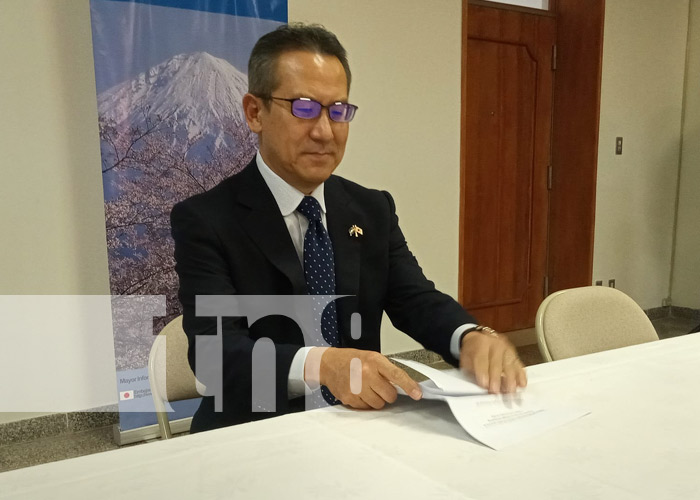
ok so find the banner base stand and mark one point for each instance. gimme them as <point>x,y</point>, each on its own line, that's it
<point>148,433</point>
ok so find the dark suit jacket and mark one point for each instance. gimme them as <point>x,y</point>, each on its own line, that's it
<point>232,239</point>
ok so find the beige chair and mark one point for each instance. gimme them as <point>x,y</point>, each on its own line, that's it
<point>168,362</point>
<point>589,319</point>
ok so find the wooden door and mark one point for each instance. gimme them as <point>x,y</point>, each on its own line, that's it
<point>507,134</point>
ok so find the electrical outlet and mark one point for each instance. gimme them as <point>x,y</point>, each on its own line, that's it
<point>618,145</point>
<point>611,283</point>
<point>599,283</point>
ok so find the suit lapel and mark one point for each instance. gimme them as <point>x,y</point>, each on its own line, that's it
<point>341,214</point>
<point>264,224</point>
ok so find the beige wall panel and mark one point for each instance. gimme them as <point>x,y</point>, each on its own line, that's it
<point>51,194</point>
<point>642,97</point>
<point>686,275</point>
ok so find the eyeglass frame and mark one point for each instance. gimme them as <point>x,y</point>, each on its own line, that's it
<point>291,100</point>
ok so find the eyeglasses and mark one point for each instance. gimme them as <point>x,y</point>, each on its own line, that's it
<point>307,109</point>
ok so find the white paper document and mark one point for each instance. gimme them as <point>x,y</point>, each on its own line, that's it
<point>496,420</point>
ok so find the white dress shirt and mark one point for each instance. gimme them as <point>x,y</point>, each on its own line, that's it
<point>288,199</point>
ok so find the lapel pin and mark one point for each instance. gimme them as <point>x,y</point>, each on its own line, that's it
<point>355,231</point>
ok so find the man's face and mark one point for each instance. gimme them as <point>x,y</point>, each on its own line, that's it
<point>304,152</point>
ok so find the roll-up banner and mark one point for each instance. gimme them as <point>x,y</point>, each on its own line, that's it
<point>170,77</point>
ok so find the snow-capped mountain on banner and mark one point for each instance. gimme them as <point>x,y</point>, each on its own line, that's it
<point>196,94</point>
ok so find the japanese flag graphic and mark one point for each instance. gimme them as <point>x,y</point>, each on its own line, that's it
<point>126,395</point>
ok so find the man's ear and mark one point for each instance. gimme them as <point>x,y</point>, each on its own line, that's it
<point>252,107</point>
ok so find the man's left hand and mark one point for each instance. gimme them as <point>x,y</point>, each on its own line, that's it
<point>493,360</point>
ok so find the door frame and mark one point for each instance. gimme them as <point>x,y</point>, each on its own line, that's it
<point>575,129</point>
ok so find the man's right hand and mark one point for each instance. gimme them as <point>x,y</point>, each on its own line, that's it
<point>365,387</point>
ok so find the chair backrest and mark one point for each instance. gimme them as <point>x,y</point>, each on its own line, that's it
<point>170,375</point>
<point>589,319</point>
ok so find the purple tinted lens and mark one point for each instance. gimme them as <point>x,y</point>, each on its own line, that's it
<point>303,108</point>
<point>341,112</point>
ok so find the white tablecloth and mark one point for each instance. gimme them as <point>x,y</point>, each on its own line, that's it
<point>642,440</point>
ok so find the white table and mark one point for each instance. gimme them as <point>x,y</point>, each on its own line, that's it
<point>642,440</point>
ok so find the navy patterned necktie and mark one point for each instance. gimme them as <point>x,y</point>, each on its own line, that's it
<point>319,271</point>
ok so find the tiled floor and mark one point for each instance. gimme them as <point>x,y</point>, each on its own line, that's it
<point>674,326</point>
<point>49,449</point>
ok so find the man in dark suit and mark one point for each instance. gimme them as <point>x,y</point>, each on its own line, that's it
<point>285,221</point>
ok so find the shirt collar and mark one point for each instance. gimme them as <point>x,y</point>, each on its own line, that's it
<point>287,197</point>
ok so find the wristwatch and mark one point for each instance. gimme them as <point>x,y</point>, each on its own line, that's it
<point>486,331</point>
<point>480,328</point>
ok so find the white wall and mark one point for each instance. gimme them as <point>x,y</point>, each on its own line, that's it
<point>52,224</point>
<point>642,97</point>
<point>686,275</point>
<point>61,356</point>
<point>51,194</point>
<point>405,58</point>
